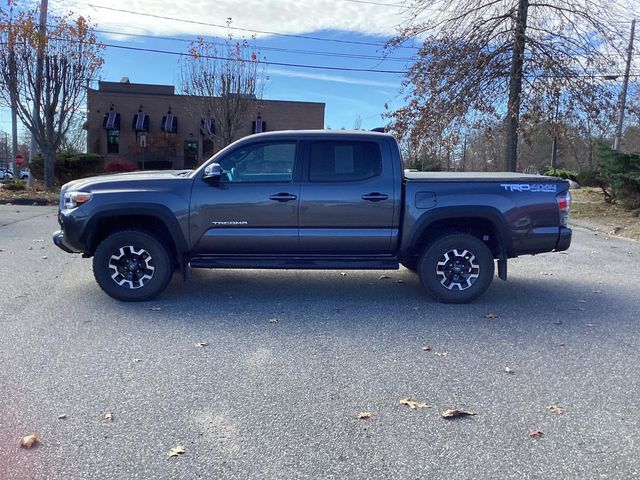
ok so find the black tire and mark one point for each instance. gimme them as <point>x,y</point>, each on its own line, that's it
<point>132,266</point>
<point>456,268</point>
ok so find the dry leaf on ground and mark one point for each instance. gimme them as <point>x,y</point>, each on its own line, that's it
<point>108,416</point>
<point>425,348</point>
<point>533,432</point>
<point>454,412</point>
<point>491,316</point>
<point>29,440</point>
<point>556,408</point>
<point>508,370</point>
<point>414,403</point>
<point>365,415</point>
<point>202,344</point>
<point>175,451</point>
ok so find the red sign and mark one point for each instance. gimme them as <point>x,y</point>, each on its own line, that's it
<point>19,160</point>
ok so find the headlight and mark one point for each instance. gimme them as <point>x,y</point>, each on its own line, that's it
<point>74,199</point>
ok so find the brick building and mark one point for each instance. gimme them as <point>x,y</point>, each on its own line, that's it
<point>151,124</point>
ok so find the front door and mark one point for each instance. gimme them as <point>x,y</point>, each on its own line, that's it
<point>254,207</point>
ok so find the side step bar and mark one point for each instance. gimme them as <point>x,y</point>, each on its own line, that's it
<point>299,262</point>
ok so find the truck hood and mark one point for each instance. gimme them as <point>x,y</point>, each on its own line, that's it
<point>124,180</point>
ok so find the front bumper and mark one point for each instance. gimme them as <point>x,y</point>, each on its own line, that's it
<point>58,239</point>
<point>564,239</point>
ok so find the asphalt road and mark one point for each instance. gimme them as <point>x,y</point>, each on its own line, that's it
<point>280,400</point>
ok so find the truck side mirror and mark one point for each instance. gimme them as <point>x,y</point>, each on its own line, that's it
<point>212,173</point>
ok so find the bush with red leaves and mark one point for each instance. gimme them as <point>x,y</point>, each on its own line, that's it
<point>118,165</point>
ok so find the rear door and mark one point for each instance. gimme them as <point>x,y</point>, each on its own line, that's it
<point>348,197</point>
<point>254,207</point>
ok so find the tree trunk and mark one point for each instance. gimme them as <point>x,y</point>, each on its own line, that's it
<point>515,87</point>
<point>49,178</point>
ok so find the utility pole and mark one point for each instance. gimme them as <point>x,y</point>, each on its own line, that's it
<point>554,145</point>
<point>42,29</point>
<point>515,87</point>
<point>622,100</point>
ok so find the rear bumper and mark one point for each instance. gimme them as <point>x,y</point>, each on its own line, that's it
<point>564,239</point>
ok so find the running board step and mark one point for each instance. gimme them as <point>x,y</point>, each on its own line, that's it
<point>312,263</point>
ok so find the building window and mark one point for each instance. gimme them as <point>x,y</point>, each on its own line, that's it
<point>191,153</point>
<point>339,161</point>
<point>258,125</point>
<point>113,141</point>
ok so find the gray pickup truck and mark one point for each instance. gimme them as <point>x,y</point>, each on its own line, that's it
<point>311,200</point>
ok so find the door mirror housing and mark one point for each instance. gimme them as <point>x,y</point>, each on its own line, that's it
<point>212,173</point>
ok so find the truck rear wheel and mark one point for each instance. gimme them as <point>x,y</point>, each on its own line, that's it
<point>132,266</point>
<point>456,268</point>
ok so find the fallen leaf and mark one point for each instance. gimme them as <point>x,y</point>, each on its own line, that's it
<point>415,404</point>
<point>62,417</point>
<point>491,316</point>
<point>508,370</point>
<point>425,348</point>
<point>442,354</point>
<point>556,408</point>
<point>364,415</point>
<point>273,320</point>
<point>454,412</point>
<point>383,277</point>
<point>29,440</point>
<point>202,344</point>
<point>155,309</point>
<point>532,432</point>
<point>175,451</point>
<point>108,416</point>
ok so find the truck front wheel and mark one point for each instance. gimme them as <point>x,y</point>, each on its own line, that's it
<point>132,266</point>
<point>456,268</point>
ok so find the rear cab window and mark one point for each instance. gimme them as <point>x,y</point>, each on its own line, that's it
<point>344,161</point>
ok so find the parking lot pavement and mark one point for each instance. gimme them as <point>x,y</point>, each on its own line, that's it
<point>279,399</point>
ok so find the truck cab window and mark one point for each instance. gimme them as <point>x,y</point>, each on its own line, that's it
<point>266,162</point>
<point>343,161</point>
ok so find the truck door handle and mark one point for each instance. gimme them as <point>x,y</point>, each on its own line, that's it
<point>375,197</point>
<point>283,197</point>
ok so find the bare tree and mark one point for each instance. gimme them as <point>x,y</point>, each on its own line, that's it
<point>224,82</point>
<point>71,56</point>
<point>488,60</point>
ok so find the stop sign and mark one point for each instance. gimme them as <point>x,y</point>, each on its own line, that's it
<point>19,160</point>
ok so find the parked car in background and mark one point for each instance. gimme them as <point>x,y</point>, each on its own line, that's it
<point>7,174</point>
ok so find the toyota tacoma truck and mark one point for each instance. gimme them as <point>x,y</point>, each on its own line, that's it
<point>311,200</point>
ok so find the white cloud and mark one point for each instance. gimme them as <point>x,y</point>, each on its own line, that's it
<point>331,78</point>
<point>284,16</point>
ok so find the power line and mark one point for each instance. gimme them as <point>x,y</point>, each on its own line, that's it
<point>266,32</point>
<point>344,69</point>
<point>264,62</point>
<point>261,48</point>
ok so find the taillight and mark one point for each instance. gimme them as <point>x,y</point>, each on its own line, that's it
<point>564,206</point>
